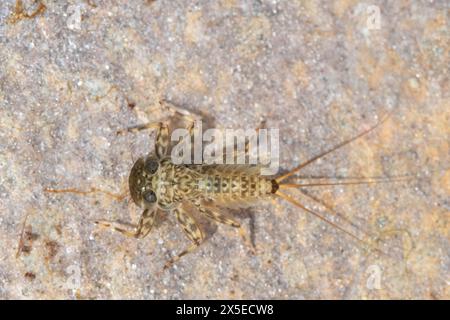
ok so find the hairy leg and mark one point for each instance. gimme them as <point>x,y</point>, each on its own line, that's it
<point>221,218</point>
<point>162,128</point>
<point>143,227</point>
<point>183,114</point>
<point>237,153</point>
<point>192,231</point>
<point>162,135</point>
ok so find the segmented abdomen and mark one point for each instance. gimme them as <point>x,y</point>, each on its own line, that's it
<point>234,185</point>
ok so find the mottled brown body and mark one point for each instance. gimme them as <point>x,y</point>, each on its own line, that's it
<point>233,183</point>
<point>222,184</point>
<point>156,184</point>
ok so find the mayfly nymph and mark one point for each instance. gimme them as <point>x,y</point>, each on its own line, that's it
<point>157,184</point>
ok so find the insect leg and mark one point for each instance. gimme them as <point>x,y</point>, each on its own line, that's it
<point>193,232</point>
<point>140,231</point>
<point>221,218</point>
<point>162,135</point>
<point>162,140</point>
<point>185,115</point>
<point>245,150</point>
<point>216,216</point>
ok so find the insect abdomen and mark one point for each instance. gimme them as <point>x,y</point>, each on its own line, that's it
<point>235,185</point>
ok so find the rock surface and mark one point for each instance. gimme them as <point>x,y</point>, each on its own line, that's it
<point>321,71</point>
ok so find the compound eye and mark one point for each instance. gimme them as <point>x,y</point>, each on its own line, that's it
<point>151,166</point>
<point>150,196</point>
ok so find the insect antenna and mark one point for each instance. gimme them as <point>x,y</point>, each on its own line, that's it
<point>118,196</point>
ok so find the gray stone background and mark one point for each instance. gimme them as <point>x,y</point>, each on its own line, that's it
<point>320,71</point>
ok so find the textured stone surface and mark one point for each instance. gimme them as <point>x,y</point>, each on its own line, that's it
<point>320,71</point>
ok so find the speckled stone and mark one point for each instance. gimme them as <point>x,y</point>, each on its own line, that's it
<point>320,71</point>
